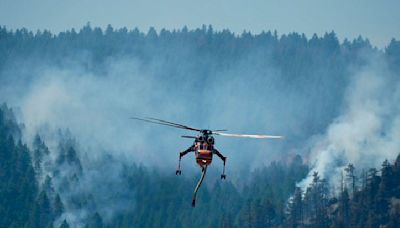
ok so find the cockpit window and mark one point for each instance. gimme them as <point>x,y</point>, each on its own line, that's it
<point>204,146</point>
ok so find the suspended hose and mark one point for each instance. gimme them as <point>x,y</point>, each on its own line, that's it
<point>203,174</point>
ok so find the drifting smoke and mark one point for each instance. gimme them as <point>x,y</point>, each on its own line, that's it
<point>368,130</point>
<point>95,109</point>
<point>248,91</point>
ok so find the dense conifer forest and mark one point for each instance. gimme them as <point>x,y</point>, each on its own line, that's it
<point>43,180</point>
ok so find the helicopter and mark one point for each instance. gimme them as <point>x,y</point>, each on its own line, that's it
<point>203,147</point>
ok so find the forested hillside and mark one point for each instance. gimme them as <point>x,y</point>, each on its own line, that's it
<point>158,199</point>
<point>69,158</point>
<point>372,201</point>
<point>163,199</point>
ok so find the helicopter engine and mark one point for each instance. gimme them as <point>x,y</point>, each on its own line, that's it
<point>210,140</point>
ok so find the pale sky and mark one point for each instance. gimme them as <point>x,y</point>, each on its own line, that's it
<point>377,20</point>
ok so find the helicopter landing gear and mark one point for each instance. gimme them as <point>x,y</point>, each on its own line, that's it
<point>223,158</point>
<point>181,154</point>
<point>179,171</point>
<point>223,176</point>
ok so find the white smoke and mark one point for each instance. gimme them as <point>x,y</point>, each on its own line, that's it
<point>96,109</point>
<point>368,130</point>
<point>247,96</point>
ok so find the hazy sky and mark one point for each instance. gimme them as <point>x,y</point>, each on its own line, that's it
<point>378,20</point>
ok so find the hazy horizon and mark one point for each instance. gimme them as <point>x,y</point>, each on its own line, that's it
<point>377,21</point>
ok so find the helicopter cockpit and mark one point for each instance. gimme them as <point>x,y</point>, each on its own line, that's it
<point>202,146</point>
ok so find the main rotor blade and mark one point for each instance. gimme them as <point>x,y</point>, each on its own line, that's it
<point>249,136</point>
<point>165,123</point>
<point>189,137</point>
<point>218,130</point>
<point>176,124</point>
<point>150,121</point>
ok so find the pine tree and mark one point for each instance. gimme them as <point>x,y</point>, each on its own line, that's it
<point>396,176</point>
<point>269,213</point>
<point>245,217</point>
<point>47,186</point>
<point>18,186</point>
<point>295,209</point>
<point>343,216</point>
<point>41,215</point>
<point>95,221</point>
<point>58,206</point>
<point>372,186</point>
<point>40,151</point>
<point>386,185</point>
<point>350,178</point>
<point>64,224</point>
<point>385,192</point>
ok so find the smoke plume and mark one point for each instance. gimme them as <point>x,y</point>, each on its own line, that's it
<point>368,129</point>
